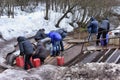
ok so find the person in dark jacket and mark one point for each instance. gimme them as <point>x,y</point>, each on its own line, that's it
<point>63,34</point>
<point>26,49</point>
<point>92,27</point>
<point>40,35</point>
<point>41,52</point>
<point>102,31</point>
<point>55,40</point>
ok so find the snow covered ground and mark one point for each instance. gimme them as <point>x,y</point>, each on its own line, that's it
<point>25,24</point>
<point>90,71</point>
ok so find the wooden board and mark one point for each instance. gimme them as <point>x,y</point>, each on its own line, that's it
<point>49,58</point>
<point>76,41</point>
<point>89,48</point>
<point>100,47</point>
<point>67,38</point>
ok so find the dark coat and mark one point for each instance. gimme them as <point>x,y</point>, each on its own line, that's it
<point>40,35</point>
<point>93,26</point>
<point>105,24</point>
<point>41,51</point>
<point>62,32</point>
<point>25,46</point>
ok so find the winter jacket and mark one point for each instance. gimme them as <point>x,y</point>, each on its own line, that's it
<point>40,35</point>
<point>93,26</point>
<point>105,25</point>
<point>25,46</point>
<point>41,51</point>
<point>55,36</point>
<point>62,32</point>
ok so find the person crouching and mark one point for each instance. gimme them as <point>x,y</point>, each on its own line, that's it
<point>41,52</point>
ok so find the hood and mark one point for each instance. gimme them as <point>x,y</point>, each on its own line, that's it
<point>92,19</point>
<point>21,38</point>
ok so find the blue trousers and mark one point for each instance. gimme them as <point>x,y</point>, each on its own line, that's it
<point>55,48</point>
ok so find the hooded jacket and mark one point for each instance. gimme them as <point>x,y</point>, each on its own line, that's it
<point>105,25</point>
<point>62,32</point>
<point>41,51</point>
<point>25,46</point>
<point>40,35</point>
<point>55,36</point>
<point>93,26</point>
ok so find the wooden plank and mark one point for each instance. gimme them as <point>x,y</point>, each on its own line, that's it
<point>100,47</point>
<point>89,58</point>
<point>68,46</point>
<point>77,41</point>
<point>68,38</point>
<point>90,48</point>
<point>113,57</point>
<point>49,58</point>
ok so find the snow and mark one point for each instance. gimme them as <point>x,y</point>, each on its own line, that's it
<point>116,9</point>
<point>28,24</point>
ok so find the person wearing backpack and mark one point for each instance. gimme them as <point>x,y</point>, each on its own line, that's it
<point>103,31</point>
<point>55,40</point>
<point>63,34</point>
<point>27,50</point>
<point>92,27</point>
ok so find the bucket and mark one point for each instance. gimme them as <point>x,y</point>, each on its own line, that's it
<point>20,61</point>
<point>60,60</point>
<point>36,62</point>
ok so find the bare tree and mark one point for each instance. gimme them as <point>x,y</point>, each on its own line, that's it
<point>47,8</point>
<point>69,10</point>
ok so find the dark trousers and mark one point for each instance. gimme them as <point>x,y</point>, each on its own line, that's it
<point>103,33</point>
<point>27,61</point>
<point>61,46</point>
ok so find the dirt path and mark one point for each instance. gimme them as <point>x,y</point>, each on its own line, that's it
<point>3,44</point>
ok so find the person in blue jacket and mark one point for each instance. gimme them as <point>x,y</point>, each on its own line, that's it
<point>26,49</point>
<point>92,27</point>
<point>102,31</point>
<point>55,40</point>
<point>63,34</point>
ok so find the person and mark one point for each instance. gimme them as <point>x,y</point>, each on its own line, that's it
<point>92,27</point>
<point>55,40</point>
<point>41,52</point>
<point>103,31</point>
<point>63,33</point>
<point>40,34</point>
<point>26,49</point>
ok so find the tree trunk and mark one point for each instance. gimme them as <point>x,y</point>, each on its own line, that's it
<point>69,10</point>
<point>47,9</point>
